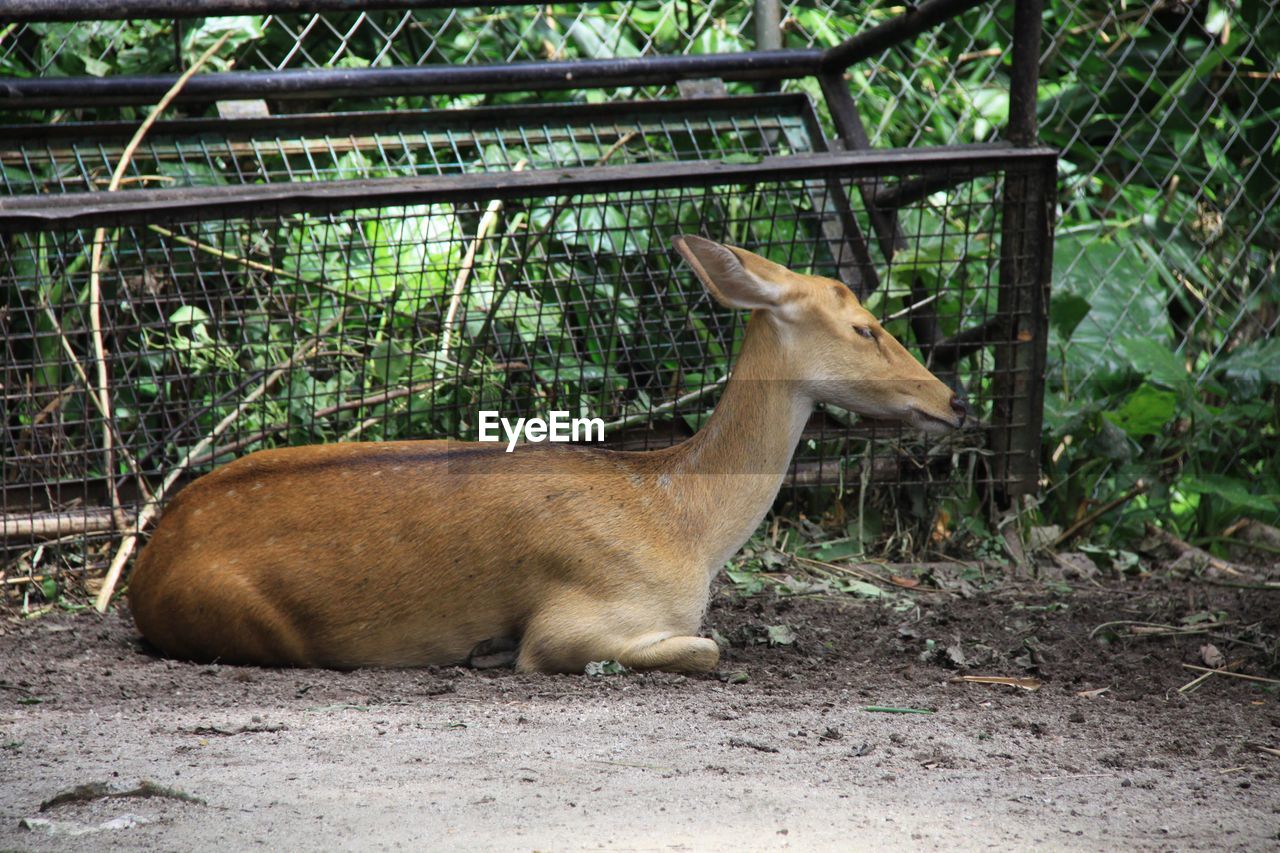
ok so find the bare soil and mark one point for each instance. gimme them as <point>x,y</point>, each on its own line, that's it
<point>791,757</point>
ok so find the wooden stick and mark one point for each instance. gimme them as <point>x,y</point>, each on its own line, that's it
<point>103,389</point>
<point>487,222</point>
<point>45,525</point>
<point>357,403</point>
<point>267,268</point>
<point>1200,679</point>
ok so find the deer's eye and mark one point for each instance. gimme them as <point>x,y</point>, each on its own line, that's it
<point>865,331</point>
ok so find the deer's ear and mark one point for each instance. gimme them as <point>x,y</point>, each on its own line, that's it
<point>725,276</point>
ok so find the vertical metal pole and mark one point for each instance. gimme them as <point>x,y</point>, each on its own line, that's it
<point>178,62</point>
<point>768,16</point>
<point>1026,246</point>
<point>844,115</point>
<point>1024,75</point>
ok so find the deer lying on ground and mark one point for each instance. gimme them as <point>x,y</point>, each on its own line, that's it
<point>424,552</point>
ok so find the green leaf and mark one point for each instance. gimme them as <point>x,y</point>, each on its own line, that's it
<point>747,582</point>
<point>1154,361</point>
<point>1255,362</point>
<point>1125,297</point>
<point>1066,310</point>
<point>598,668</point>
<point>188,314</point>
<point>1231,490</point>
<point>862,588</point>
<point>388,361</point>
<point>1145,412</point>
<point>780,635</point>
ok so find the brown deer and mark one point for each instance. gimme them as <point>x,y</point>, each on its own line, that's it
<point>424,552</point>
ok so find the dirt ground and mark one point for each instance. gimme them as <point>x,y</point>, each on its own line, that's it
<point>779,750</point>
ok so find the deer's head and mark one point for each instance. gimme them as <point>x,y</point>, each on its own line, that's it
<point>831,347</point>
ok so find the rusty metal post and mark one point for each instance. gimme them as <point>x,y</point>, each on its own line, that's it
<point>1026,251</point>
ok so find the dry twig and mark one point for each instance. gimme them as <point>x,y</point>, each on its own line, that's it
<point>103,387</point>
<point>1227,672</point>
<point>1009,681</point>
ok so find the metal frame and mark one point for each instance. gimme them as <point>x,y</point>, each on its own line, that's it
<point>1025,220</point>
<point>766,65</point>
<point>26,213</point>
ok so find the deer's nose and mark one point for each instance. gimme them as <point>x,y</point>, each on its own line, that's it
<point>961,408</point>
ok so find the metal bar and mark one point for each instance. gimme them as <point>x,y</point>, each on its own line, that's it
<point>844,114</point>
<point>51,92</point>
<point>1026,253</point>
<point>768,20</point>
<point>21,213</point>
<point>840,227</point>
<point>767,16</point>
<point>876,40</point>
<point>509,116</point>
<point>105,10</point>
<point>1024,76</point>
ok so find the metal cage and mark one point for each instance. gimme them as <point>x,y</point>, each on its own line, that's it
<point>377,275</point>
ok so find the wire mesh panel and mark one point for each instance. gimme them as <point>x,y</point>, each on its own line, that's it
<point>41,158</point>
<point>236,321</point>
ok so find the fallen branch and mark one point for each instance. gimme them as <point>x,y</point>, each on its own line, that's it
<point>1158,629</point>
<point>1188,556</point>
<point>1210,673</point>
<point>46,525</point>
<point>1250,533</point>
<point>1008,681</point>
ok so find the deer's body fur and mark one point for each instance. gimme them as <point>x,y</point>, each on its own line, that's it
<point>416,553</point>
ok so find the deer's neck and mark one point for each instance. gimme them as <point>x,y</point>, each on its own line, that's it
<point>727,476</point>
